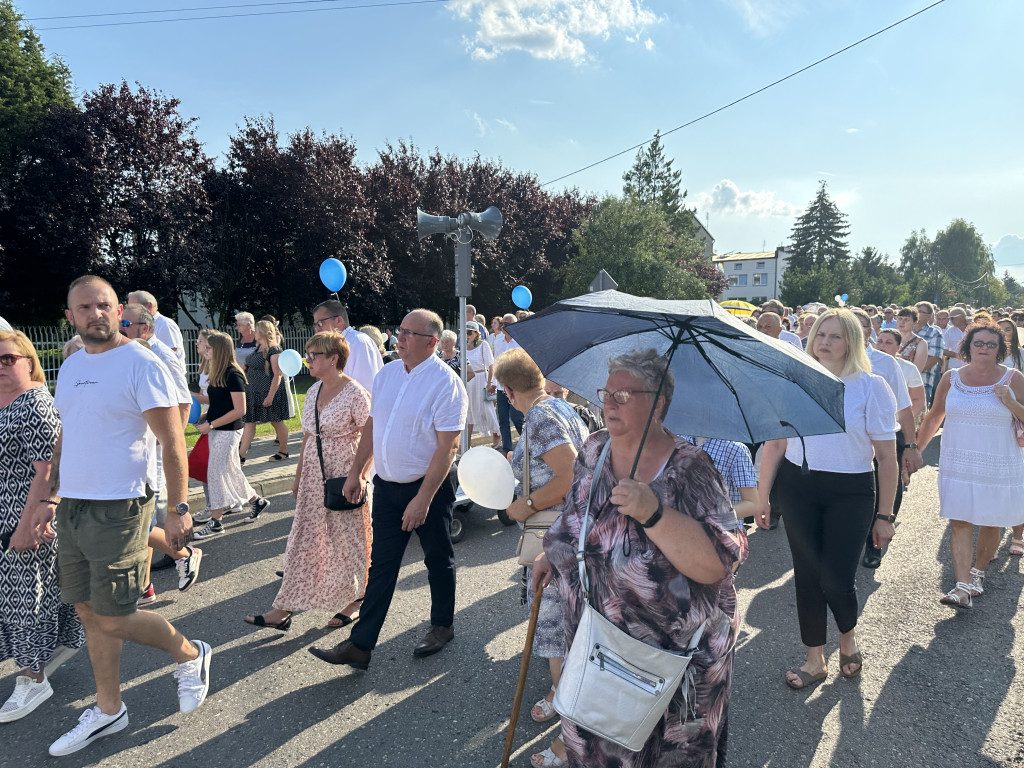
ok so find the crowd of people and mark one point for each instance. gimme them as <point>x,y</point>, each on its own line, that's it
<point>663,515</point>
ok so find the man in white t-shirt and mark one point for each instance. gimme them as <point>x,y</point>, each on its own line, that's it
<point>417,413</point>
<point>4,325</point>
<point>952,336</point>
<point>114,403</point>
<point>500,344</point>
<point>164,328</point>
<point>364,360</point>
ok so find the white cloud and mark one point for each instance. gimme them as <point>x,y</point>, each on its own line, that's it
<point>765,17</point>
<point>649,44</point>
<point>506,124</point>
<point>726,197</point>
<point>853,130</point>
<point>550,29</point>
<point>481,125</point>
<point>541,102</point>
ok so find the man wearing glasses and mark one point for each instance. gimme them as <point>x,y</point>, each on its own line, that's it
<point>364,360</point>
<point>417,413</point>
<point>924,328</point>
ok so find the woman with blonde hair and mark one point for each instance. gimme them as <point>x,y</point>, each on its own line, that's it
<point>827,488</point>
<point>327,557</point>
<point>266,396</point>
<point>225,480</point>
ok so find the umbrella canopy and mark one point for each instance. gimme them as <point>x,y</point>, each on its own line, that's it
<point>731,381</point>
<point>737,307</point>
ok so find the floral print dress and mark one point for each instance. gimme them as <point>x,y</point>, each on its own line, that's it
<point>640,591</point>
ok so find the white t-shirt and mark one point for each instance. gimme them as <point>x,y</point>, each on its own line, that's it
<point>4,325</point>
<point>408,410</point>
<point>500,346</point>
<point>364,360</point>
<point>792,338</point>
<point>951,337</point>
<point>108,450</point>
<point>169,333</point>
<point>870,411</point>
<point>910,373</point>
<point>175,368</point>
<point>886,366</point>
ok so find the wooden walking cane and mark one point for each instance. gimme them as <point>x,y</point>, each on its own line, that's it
<point>523,668</point>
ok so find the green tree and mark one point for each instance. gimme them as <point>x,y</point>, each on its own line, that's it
<point>874,280</point>
<point>962,257</point>
<point>1014,290</point>
<point>29,84</point>
<point>638,246</point>
<point>653,180</point>
<point>818,283</point>
<point>819,235</point>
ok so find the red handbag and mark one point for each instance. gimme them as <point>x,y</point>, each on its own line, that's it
<point>198,458</point>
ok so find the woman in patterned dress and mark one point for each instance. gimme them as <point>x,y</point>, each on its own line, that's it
<point>328,552</point>
<point>33,620</point>
<point>661,552</point>
<point>266,395</point>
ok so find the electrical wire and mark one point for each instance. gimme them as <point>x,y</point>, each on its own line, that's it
<point>395,3</point>
<point>179,10</point>
<point>748,96</point>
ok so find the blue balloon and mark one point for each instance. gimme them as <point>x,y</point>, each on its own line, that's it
<point>195,411</point>
<point>290,362</point>
<point>522,297</point>
<point>846,296</point>
<point>333,274</point>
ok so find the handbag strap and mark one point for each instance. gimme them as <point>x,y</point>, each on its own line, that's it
<point>580,561</point>
<point>526,461</point>
<point>319,443</point>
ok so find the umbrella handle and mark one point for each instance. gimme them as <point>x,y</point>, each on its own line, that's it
<point>523,667</point>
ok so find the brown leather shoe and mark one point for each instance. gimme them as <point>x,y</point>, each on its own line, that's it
<point>432,642</point>
<point>344,653</point>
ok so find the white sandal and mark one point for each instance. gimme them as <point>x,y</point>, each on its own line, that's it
<point>954,599</point>
<point>547,759</point>
<point>546,709</point>
<point>977,582</point>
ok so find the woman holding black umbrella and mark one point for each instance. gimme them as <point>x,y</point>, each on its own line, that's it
<point>827,488</point>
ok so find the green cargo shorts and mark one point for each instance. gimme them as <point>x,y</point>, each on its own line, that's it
<point>103,552</point>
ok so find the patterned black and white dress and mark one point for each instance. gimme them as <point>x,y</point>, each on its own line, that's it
<point>33,620</point>
<point>260,375</point>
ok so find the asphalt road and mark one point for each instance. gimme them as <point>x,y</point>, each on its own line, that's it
<point>939,687</point>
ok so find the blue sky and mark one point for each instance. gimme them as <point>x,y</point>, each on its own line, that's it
<point>911,129</point>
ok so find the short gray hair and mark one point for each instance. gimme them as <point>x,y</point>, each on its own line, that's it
<point>245,317</point>
<point>144,298</point>
<point>435,326</point>
<point>449,336</point>
<point>650,367</point>
<point>142,316</point>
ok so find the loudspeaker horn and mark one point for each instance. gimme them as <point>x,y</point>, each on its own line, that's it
<point>427,225</point>
<point>488,223</point>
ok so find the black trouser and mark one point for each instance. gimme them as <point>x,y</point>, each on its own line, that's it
<point>506,412</point>
<point>389,543</point>
<point>901,443</point>
<point>827,517</point>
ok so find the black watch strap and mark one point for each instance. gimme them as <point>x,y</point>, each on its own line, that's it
<point>653,519</point>
<point>887,518</point>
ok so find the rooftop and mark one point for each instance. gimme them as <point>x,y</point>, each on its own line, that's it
<point>761,256</point>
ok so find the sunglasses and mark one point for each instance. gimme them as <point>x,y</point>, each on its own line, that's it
<point>8,361</point>
<point>978,344</point>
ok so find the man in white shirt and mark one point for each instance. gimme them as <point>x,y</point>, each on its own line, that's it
<point>502,343</point>
<point>113,398</point>
<point>364,360</point>
<point>4,325</point>
<point>952,336</point>
<point>770,324</point>
<point>417,413</point>
<point>164,328</point>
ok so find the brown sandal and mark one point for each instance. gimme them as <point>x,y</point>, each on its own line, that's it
<point>854,658</point>
<point>807,680</point>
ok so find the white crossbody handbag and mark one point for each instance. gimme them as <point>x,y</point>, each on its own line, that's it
<point>612,684</point>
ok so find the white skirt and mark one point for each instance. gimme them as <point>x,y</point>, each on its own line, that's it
<point>225,481</point>
<point>481,411</point>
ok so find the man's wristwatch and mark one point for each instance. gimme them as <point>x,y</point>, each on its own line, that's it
<point>182,509</point>
<point>909,445</point>
<point>529,502</point>
<point>887,518</point>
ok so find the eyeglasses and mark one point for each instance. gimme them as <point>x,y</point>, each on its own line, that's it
<point>622,396</point>
<point>322,320</point>
<point>978,344</point>
<point>8,361</point>
<point>311,356</point>
<point>407,332</point>
<point>129,323</point>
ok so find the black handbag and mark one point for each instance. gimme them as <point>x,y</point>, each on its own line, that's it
<point>334,498</point>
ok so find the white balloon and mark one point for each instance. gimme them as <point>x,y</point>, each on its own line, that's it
<point>486,477</point>
<point>289,362</point>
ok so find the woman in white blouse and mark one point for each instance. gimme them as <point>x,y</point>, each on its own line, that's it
<point>827,490</point>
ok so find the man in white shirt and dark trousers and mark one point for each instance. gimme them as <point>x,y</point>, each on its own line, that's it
<point>164,328</point>
<point>115,403</point>
<point>417,413</point>
<point>364,360</point>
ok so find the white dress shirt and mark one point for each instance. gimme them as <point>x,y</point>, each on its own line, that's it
<point>408,409</point>
<point>886,366</point>
<point>169,333</point>
<point>364,360</point>
<point>500,345</point>
<point>792,338</point>
<point>952,337</point>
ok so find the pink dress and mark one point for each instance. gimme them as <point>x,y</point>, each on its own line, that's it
<point>328,553</point>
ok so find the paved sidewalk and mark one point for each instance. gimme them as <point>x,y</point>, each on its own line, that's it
<point>268,478</point>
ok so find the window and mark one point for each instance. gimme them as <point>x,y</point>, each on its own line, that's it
<point>758,299</point>
<point>760,265</point>
<point>737,265</point>
<point>761,278</point>
<point>741,280</point>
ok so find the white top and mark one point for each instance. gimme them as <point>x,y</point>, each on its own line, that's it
<point>408,410</point>
<point>792,338</point>
<point>364,360</point>
<point>175,368</point>
<point>951,337</point>
<point>481,357</point>
<point>870,411</point>
<point>108,450</point>
<point>886,366</point>
<point>169,333</point>
<point>4,325</point>
<point>204,382</point>
<point>501,346</point>
<point>910,373</point>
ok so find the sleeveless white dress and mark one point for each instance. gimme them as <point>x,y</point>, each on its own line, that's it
<point>981,467</point>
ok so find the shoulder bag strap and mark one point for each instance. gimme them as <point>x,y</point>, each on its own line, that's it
<point>526,460</point>
<point>319,443</point>
<point>580,562</point>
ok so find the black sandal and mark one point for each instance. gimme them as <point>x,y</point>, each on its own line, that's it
<point>259,621</point>
<point>345,621</point>
<point>279,456</point>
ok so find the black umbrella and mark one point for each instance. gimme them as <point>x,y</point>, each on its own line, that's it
<point>732,382</point>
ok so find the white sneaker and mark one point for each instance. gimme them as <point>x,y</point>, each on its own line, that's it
<point>188,568</point>
<point>92,725</point>
<point>194,679</point>
<point>203,515</point>
<point>28,694</point>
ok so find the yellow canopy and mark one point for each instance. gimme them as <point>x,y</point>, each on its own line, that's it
<point>737,307</point>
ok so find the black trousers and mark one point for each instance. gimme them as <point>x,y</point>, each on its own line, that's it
<point>389,543</point>
<point>901,443</point>
<point>828,515</point>
<point>505,413</point>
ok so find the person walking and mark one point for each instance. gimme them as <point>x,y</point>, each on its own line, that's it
<point>328,551</point>
<point>113,399</point>
<point>34,624</point>
<point>364,358</point>
<point>417,413</point>
<point>506,413</point>
<point>266,397</point>
<point>480,359</point>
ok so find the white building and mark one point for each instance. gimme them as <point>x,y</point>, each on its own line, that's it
<point>753,277</point>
